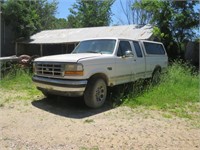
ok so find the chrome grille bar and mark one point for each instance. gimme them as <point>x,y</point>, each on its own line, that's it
<point>49,69</point>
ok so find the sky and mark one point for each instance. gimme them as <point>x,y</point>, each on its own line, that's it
<point>64,5</point>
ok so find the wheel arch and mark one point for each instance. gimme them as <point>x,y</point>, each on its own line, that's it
<point>157,68</point>
<point>100,75</point>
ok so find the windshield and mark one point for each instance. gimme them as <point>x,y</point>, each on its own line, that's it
<point>96,46</point>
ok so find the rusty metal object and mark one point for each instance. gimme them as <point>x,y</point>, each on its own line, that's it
<point>9,63</point>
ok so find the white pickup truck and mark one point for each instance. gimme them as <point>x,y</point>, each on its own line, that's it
<point>96,64</point>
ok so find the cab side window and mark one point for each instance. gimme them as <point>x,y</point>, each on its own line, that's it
<point>123,47</point>
<point>154,48</point>
<point>137,49</point>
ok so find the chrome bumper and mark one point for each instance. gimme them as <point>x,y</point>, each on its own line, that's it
<point>60,86</point>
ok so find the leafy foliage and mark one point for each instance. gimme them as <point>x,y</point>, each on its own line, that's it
<point>175,20</point>
<point>21,18</point>
<point>93,13</point>
<point>29,17</point>
<point>184,20</point>
<point>60,23</point>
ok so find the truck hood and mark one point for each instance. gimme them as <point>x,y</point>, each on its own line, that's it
<point>67,57</point>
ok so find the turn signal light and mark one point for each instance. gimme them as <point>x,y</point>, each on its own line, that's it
<point>74,73</point>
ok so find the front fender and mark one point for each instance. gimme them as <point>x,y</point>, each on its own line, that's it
<point>104,72</point>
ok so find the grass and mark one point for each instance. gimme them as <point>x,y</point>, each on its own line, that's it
<point>85,148</point>
<point>178,92</point>
<point>17,85</point>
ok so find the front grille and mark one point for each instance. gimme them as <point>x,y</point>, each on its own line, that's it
<point>49,69</point>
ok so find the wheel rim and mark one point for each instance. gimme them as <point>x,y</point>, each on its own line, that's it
<point>100,93</point>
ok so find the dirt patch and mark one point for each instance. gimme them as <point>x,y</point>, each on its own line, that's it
<point>69,124</point>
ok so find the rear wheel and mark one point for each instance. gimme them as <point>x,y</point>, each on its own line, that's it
<point>95,93</point>
<point>156,77</point>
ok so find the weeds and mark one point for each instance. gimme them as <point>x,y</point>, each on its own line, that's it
<point>93,148</point>
<point>17,84</point>
<point>89,121</point>
<point>178,88</point>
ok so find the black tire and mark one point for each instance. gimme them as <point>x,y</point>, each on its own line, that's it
<point>156,77</point>
<point>95,93</point>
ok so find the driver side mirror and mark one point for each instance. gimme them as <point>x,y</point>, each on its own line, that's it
<point>128,54</point>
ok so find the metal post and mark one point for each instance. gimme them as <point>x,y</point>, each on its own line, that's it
<point>16,51</point>
<point>66,51</point>
<point>41,50</point>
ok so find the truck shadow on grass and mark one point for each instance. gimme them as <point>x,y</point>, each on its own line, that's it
<point>69,107</point>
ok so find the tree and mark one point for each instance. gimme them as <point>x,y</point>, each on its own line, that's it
<point>174,20</point>
<point>46,11</point>
<point>29,17</point>
<point>134,15</point>
<point>93,13</point>
<point>60,23</point>
<point>184,20</point>
<point>127,11</point>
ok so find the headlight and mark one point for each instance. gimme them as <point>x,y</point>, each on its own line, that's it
<point>73,70</point>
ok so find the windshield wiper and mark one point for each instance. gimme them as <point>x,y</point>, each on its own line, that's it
<point>92,52</point>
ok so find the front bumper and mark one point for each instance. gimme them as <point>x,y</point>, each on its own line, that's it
<point>63,87</point>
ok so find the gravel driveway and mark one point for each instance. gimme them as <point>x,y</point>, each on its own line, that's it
<point>69,124</point>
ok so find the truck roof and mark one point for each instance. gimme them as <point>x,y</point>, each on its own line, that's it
<point>122,38</point>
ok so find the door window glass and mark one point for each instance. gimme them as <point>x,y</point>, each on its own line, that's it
<point>123,47</point>
<point>137,49</point>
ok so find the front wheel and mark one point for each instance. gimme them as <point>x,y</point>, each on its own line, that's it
<point>95,93</point>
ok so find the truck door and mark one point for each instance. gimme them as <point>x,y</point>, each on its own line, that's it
<point>123,64</point>
<point>138,67</point>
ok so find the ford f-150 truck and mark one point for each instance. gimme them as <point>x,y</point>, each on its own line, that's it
<point>96,64</point>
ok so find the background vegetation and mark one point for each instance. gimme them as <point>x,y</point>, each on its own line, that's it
<point>177,92</point>
<point>92,13</point>
<point>175,22</point>
<point>29,17</point>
